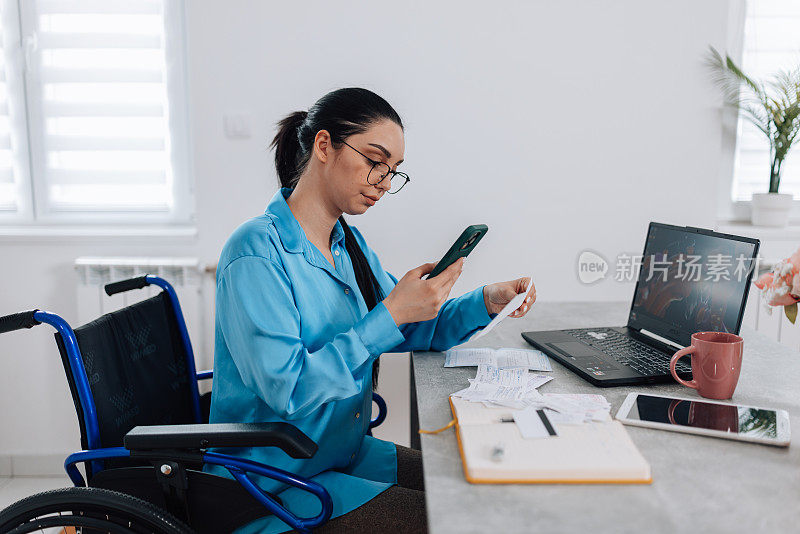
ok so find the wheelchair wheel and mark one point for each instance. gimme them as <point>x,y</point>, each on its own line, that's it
<point>85,511</point>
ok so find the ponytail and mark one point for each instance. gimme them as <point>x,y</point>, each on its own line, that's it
<point>288,152</point>
<point>341,113</point>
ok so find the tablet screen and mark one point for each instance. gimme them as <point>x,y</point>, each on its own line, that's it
<point>742,420</point>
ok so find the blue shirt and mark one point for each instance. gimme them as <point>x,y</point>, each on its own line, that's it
<point>294,342</point>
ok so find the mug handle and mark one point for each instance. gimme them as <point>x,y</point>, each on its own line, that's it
<point>671,411</point>
<point>678,355</point>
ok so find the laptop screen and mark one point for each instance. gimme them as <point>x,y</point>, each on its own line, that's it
<point>692,280</point>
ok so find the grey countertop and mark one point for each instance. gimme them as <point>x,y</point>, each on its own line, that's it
<point>700,484</point>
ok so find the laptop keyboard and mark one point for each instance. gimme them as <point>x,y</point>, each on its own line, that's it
<point>630,352</point>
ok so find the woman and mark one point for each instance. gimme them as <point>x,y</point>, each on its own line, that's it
<point>304,310</point>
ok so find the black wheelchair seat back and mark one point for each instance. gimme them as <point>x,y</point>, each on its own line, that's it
<point>135,362</point>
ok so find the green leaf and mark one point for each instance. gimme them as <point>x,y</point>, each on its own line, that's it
<point>791,312</point>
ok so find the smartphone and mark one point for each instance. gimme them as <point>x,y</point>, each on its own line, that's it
<point>461,248</point>
<point>707,418</point>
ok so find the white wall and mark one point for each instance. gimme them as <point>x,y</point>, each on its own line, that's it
<point>562,125</point>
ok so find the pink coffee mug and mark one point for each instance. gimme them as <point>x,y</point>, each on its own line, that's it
<point>716,363</point>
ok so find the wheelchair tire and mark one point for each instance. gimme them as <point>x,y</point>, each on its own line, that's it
<point>88,510</point>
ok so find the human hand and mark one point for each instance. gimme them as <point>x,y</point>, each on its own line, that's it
<point>414,299</point>
<point>496,296</point>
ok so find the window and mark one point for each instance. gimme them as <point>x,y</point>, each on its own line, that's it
<point>771,42</point>
<point>93,117</point>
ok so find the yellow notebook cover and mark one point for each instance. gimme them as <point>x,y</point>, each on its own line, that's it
<point>590,453</point>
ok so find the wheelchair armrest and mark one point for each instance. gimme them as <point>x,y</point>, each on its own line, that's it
<point>192,437</point>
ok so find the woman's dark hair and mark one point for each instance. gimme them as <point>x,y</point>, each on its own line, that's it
<point>341,113</point>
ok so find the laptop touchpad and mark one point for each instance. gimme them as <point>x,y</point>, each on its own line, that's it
<point>573,348</point>
<point>586,355</point>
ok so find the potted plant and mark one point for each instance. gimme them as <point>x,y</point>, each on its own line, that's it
<point>774,108</point>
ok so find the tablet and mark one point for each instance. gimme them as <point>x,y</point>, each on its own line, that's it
<point>707,418</point>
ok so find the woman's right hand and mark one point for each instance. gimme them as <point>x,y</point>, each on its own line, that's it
<point>414,299</point>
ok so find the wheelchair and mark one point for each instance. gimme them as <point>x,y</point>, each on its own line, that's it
<point>145,434</point>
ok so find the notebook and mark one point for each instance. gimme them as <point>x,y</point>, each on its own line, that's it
<point>580,454</point>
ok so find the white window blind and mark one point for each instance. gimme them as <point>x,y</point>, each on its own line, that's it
<point>15,194</point>
<point>771,42</point>
<point>106,110</point>
<point>8,190</point>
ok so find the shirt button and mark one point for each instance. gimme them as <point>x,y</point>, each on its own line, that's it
<point>352,457</point>
<point>346,291</point>
<point>358,414</point>
<point>337,252</point>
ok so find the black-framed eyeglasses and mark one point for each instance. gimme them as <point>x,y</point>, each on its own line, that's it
<point>380,171</point>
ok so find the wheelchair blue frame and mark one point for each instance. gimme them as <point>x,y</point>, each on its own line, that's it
<point>238,467</point>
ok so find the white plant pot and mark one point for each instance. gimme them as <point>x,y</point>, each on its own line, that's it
<point>770,209</point>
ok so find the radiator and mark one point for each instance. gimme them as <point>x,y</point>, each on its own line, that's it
<point>775,325</point>
<point>193,283</point>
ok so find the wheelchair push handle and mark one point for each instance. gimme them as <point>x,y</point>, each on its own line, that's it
<point>18,321</point>
<point>126,285</point>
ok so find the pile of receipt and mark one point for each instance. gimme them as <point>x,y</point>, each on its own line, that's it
<point>516,388</point>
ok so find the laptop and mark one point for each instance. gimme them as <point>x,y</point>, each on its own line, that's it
<point>689,280</point>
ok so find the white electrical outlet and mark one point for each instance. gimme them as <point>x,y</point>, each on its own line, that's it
<point>236,125</point>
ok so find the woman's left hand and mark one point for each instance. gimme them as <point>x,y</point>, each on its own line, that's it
<point>496,296</point>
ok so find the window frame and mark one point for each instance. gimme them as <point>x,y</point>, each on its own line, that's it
<point>35,217</point>
<point>728,209</point>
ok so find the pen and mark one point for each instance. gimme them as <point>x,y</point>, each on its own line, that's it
<point>497,452</point>
<point>511,419</point>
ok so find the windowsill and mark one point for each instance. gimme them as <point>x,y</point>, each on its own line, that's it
<point>42,233</point>
<point>764,233</point>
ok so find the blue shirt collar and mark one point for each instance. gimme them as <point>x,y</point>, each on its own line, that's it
<point>292,235</point>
